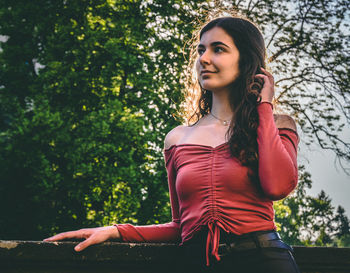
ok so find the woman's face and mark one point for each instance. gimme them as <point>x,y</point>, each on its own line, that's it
<point>218,62</point>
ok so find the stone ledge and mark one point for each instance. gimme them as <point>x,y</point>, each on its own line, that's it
<point>38,256</point>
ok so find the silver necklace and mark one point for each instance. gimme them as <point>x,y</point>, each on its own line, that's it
<point>224,122</point>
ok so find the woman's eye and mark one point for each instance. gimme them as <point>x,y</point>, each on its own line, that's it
<point>200,51</point>
<point>218,49</point>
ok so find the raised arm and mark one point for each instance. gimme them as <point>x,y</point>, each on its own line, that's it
<point>277,146</point>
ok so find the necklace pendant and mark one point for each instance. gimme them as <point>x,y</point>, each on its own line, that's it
<point>223,122</point>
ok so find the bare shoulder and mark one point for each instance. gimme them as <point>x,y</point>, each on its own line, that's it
<point>285,121</point>
<point>174,136</point>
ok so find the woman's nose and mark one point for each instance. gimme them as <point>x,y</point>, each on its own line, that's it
<point>205,58</point>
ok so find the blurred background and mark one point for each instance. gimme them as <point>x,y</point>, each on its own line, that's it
<point>89,89</point>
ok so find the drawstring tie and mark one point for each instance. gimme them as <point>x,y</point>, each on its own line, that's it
<point>213,240</point>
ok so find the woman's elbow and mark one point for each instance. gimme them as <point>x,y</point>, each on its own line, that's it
<point>277,193</point>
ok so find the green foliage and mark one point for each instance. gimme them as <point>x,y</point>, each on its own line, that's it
<point>88,90</point>
<point>343,241</point>
<point>311,221</point>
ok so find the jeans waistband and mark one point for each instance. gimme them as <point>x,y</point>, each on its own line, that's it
<point>253,240</point>
<point>270,239</point>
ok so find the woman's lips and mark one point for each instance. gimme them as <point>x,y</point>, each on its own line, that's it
<point>207,72</point>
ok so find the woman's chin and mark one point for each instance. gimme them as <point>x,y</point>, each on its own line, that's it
<point>208,85</point>
<point>211,87</point>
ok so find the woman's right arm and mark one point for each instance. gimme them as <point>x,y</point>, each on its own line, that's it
<point>169,232</point>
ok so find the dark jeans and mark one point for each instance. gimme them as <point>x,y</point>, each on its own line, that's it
<point>257,260</point>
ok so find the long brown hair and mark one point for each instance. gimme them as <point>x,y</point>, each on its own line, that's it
<point>244,95</point>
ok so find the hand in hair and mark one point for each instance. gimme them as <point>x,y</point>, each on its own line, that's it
<point>267,92</point>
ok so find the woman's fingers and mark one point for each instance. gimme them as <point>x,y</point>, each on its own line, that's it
<point>265,77</point>
<point>82,233</point>
<point>92,236</point>
<point>95,238</point>
<point>84,244</point>
<point>261,76</point>
<point>265,71</point>
<point>267,91</point>
<point>269,75</point>
<point>67,235</point>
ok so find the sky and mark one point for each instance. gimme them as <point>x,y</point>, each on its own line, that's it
<point>326,174</point>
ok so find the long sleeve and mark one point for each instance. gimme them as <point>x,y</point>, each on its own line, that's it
<point>169,232</point>
<point>278,170</point>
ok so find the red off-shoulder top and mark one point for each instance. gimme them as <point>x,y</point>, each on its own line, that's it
<point>210,188</point>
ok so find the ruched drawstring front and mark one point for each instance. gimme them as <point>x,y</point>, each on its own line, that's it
<point>213,239</point>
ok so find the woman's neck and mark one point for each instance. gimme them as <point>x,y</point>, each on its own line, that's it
<point>221,107</point>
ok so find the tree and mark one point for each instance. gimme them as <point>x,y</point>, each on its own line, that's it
<point>307,220</point>
<point>85,92</point>
<point>309,49</point>
<point>89,89</point>
<point>343,228</point>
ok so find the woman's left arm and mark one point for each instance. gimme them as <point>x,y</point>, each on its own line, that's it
<point>277,148</point>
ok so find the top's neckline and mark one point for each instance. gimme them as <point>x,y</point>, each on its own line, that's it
<point>196,144</point>
<point>218,146</point>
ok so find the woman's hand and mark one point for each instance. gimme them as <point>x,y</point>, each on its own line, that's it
<point>267,92</point>
<point>92,236</point>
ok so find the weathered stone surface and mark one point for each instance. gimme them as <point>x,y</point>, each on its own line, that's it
<point>322,259</point>
<point>33,256</point>
<point>116,257</point>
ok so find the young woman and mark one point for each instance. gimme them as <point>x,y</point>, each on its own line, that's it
<point>228,166</point>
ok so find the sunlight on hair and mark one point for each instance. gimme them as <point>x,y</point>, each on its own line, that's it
<point>189,111</point>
